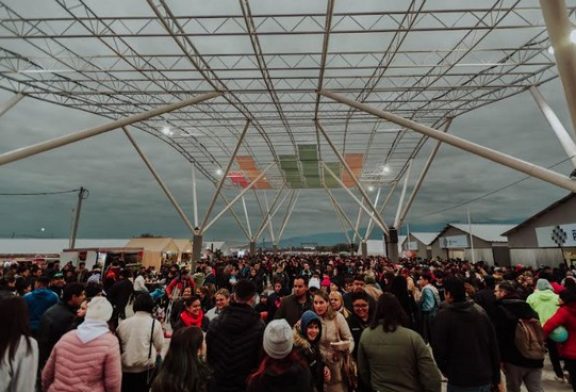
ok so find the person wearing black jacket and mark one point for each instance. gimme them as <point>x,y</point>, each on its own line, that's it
<point>59,319</point>
<point>119,295</point>
<point>234,341</point>
<point>509,309</point>
<point>464,342</point>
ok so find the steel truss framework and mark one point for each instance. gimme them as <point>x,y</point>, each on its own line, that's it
<point>418,59</point>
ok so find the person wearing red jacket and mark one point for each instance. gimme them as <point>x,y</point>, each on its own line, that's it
<point>177,286</point>
<point>565,316</point>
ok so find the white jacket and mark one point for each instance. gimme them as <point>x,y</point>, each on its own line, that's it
<point>134,334</point>
<point>19,375</point>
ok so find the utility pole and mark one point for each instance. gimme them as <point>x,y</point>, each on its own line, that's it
<point>82,194</point>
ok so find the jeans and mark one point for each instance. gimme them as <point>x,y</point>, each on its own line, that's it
<point>481,388</point>
<point>515,375</point>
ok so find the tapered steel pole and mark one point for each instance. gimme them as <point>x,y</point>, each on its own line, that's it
<point>463,144</point>
<point>51,144</point>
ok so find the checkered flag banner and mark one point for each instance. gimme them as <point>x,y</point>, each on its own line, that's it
<point>559,236</point>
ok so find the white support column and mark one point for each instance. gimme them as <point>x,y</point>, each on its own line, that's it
<point>471,236</point>
<point>554,122</point>
<point>341,183</point>
<point>235,216</point>
<point>402,195</point>
<point>10,103</point>
<point>51,144</point>
<point>485,152</point>
<point>559,28</point>
<point>270,227</point>
<point>159,181</point>
<point>358,220</point>
<point>272,211</point>
<point>423,174</point>
<point>341,211</point>
<point>224,175</point>
<point>247,217</point>
<point>288,215</point>
<point>381,209</point>
<point>194,196</point>
<point>371,222</point>
<point>239,196</point>
<point>353,176</point>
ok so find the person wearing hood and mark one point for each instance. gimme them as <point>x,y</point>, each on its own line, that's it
<point>464,342</point>
<point>282,369</point>
<point>566,316</point>
<point>307,334</point>
<point>234,341</point>
<point>88,358</point>
<point>544,301</point>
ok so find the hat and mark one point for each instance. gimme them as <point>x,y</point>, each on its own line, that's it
<point>314,283</point>
<point>278,340</point>
<point>99,308</point>
<point>543,284</point>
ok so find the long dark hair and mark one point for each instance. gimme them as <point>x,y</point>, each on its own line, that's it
<point>389,314</point>
<point>181,370</point>
<point>13,327</point>
<point>279,366</point>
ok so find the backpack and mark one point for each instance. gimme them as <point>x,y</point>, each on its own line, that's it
<point>529,338</point>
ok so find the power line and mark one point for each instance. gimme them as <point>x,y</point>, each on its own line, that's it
<point>40,193</point>
<point>490,193</point>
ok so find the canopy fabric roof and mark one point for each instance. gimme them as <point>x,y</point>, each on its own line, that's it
<point>425,238</point>
<point>424,60</point>
<point>486,232</point>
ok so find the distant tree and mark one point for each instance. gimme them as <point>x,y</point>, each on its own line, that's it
<point>148,235</point>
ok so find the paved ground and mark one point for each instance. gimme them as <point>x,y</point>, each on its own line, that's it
<point>548,382</point>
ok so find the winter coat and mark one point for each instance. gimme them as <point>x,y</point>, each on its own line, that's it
<point>310,351</point>
<point>18,375</point>
<point>83,367</point>
<point>465,346</point>
<point>566,317</point>
<point>487,300</point>
<point>291,310</point>
<point>119,294</point>
<point>234,345</point>
<point>57,320</point>
<point>397,361</point>
<point>335,330</point>
<point>506,315</point>
<point>296,378</point>
<point>135,337</point>
<point>356,326</point>
<point>544,302</point>
<point>38,302</point>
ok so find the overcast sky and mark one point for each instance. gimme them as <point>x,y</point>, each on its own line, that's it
<point>125,201</point>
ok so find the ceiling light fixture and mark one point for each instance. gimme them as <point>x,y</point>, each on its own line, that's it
<point>386,169</point>
<point>167,131</point>
<point>551,50</point>
<point>219,172</point>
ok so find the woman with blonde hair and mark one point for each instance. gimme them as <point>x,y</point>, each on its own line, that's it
<point>336,342</point>
<point>337,303</point>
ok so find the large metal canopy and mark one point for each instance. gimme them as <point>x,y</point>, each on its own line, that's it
<point>428,61</point>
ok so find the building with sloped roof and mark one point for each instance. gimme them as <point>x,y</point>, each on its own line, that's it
<point>547,237</point>
<point>473,242</point>
<point>419,243</point>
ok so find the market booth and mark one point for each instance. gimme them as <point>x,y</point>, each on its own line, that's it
<point>155,251</point>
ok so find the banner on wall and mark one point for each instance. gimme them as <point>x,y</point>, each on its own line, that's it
<point>454,241</point>
<point>554,236</point>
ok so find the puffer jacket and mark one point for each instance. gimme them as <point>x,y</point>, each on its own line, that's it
<point>234,346</point>
<point>57,320</point>
<point>545,303</point>
<point>566,317</point>
<point>310,351</point>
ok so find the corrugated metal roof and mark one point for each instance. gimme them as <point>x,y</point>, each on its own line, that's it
<point>53,245</point>
<point>486,232</point>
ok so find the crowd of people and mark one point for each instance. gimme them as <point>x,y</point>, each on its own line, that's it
<point>286,323</point>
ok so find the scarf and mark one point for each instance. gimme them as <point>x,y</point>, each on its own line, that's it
<point>188,319</point>
<point>91,329</point>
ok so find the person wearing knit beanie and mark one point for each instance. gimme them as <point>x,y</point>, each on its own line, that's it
<point>278,341</point>
<point>100,309</point>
